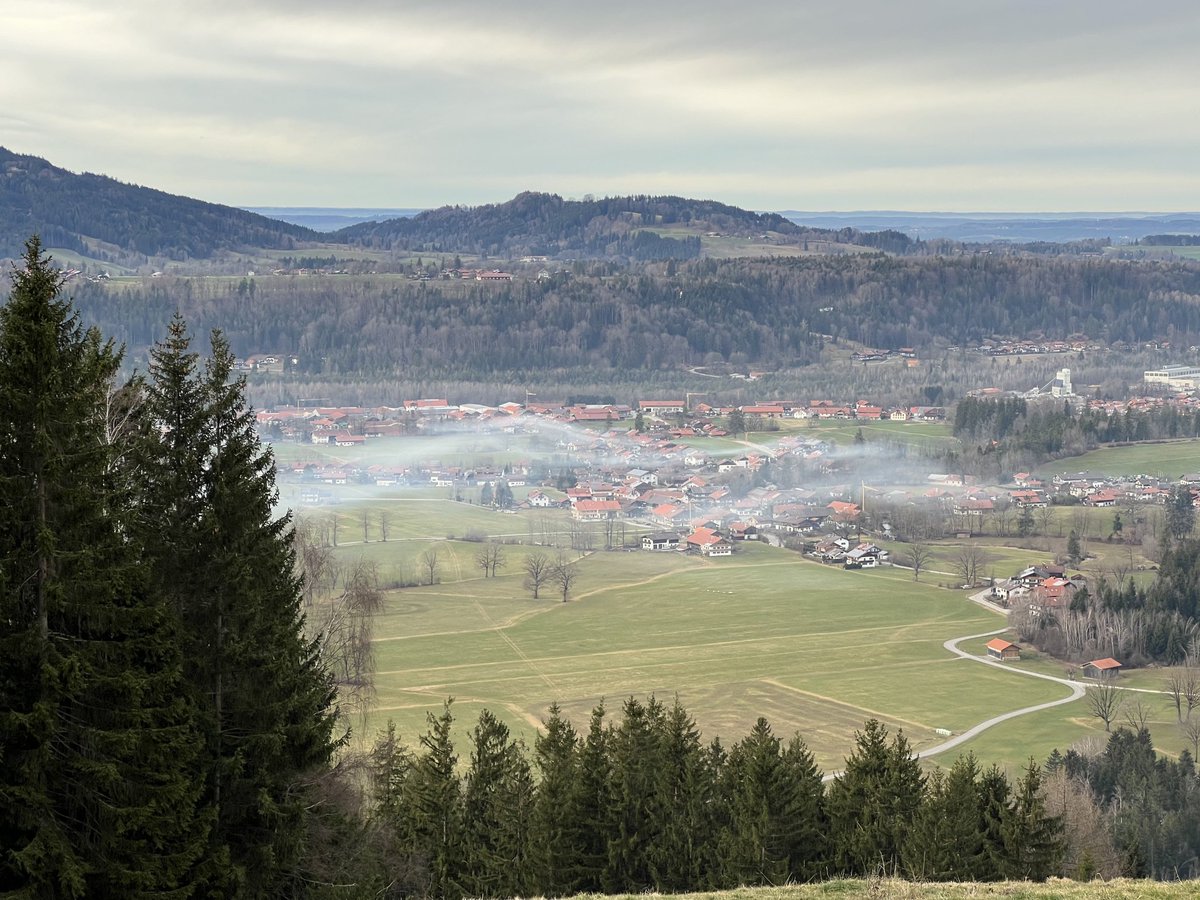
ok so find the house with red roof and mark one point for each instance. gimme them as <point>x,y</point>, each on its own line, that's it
<point>596,510</point>
<point>709,543</point>
<point>1101,669</point>
<point>1003,650</point>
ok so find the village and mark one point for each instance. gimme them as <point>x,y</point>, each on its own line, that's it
<point>658,476</point>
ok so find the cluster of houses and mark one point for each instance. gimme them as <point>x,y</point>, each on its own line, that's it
<point>1044,586</point>
<point>839,551</point>
<point>1098,490</point>
<point>812,409</point>
<point>322,425</point>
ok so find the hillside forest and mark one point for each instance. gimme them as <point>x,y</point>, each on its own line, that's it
<point>603,322</point>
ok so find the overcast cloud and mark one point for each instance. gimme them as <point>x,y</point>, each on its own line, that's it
<point>925,104</point>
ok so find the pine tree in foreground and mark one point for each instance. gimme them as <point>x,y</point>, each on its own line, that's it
<point>227,562</point>
<point>97,737</point>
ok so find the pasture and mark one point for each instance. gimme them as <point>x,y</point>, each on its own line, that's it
<point>1166,459</point>
<point>814,649</point>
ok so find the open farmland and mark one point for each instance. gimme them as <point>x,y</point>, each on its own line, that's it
<point>1166,459</point>
<point>814,649</point>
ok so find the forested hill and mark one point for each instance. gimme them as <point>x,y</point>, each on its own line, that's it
<point>638,227</point>
<point>105,219</point>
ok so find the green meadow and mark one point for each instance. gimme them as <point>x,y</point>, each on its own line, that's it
<point>815,649</point>
<point>1166,459</point>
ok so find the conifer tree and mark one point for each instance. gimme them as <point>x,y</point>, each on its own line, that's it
<point>684,855</point>
<point>873,804</point>
<point>555,830</point>
<point>217,549</point>
<point>637,819</point>
<point>946,843</point>
<point>497,801</point>
<point>1032,837</point>
<point>994,798</point>
<point>593,804</point>
<point>775,811</point>
<point>433,811</point>
<point>96,732</point>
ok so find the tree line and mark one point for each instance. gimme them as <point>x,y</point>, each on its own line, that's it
<point>642,804</point>
<point>611,319</point>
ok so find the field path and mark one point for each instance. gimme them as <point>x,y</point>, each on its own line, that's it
<point>502,631</point>
<point>1077,692</point>
<point>620,587</point>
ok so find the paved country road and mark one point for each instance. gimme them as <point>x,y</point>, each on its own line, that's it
<point>1077,691</point>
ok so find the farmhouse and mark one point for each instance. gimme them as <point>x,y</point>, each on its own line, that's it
<point>1101,669</point>
<point>709,543</point>
<point>864,556</point>
<point>1055,592</point>
<point>1001,649</point>
<point>660,541</point>
<point>539,499</point>
<point>596,510</point>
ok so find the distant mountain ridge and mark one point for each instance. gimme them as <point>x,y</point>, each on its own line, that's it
<point>546,224</point>
<point>103,218</point>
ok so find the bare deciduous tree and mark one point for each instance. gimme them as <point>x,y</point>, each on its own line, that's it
<point>918,557</point>
<point>483,561</point>
<point>490,558</point>
<point>537,572</point>
<point>564,575</point>
<point>1191,732</point>
<point>1105,702</point>
<point>429,565</point>
<point>1137,715</point>
<point>385,522</point>
<point>969,562</point>
<point>314,557</point>
<point>1087,838</point>
<point>1045,516</point>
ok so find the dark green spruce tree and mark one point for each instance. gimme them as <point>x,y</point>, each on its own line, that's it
<point>432,819</point>
<point>218,550</point>
<point>947,842</point>
<point>1032,837</point>
<point>873,804</point>
<point>497,807</point>
<point>555,829</point>
<point>592,806</point>
<point>637,819</point>
<point>776,818</point>
<point>97,736</point>
<point>683,857</point>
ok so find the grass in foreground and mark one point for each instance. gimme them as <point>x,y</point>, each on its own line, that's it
<point>895,889</point>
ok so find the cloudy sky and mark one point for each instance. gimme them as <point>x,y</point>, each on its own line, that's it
<point>771,104</point>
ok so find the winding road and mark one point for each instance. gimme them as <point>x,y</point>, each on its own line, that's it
<point>1077,690</point>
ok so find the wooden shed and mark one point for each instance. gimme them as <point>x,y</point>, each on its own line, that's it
<point>1101,669</point>
<point>998,648</point>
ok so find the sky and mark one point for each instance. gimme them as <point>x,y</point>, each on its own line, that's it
<point>927,105</point>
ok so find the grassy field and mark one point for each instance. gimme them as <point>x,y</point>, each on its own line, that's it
<point>814,649</point>
<point>894,889</point>
<point>1166,459</point>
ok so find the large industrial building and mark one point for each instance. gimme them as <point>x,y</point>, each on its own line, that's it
<point>1179,377</point>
